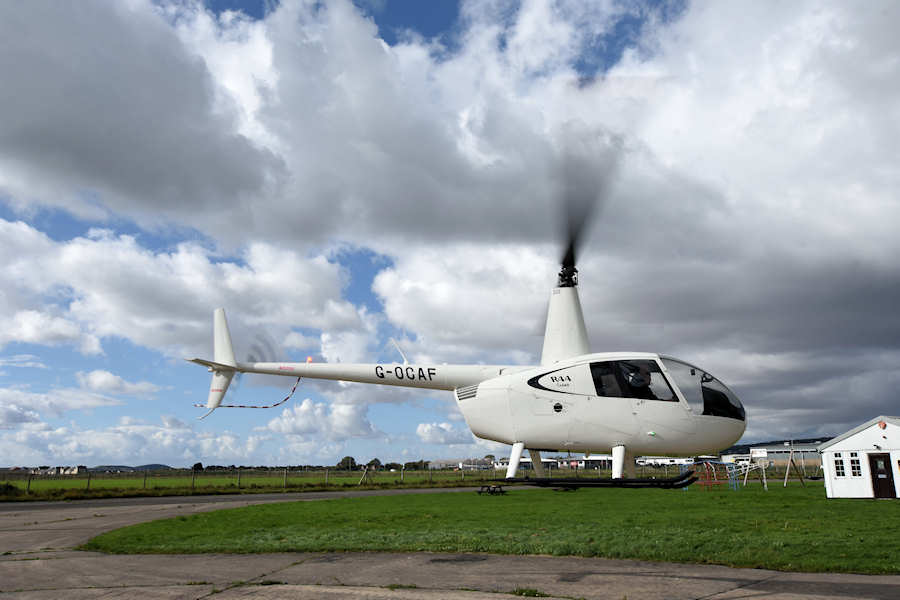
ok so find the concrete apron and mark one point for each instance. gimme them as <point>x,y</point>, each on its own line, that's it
<point>37,560</point>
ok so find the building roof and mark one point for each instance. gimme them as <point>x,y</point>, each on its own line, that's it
<point>892,420</point>
<point>811,443</point>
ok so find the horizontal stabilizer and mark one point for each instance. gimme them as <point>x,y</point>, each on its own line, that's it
<point>212,365</point>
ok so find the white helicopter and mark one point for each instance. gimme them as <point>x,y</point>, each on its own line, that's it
<point>625,403</point>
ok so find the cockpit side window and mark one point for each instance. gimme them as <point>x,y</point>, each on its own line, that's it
<point>632,379</point>
<point>705,394</point>
<point>605,380</point>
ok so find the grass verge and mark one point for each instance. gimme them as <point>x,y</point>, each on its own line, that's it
<point>16,494</point>
<point>116,486</point>
<point>794,529</point>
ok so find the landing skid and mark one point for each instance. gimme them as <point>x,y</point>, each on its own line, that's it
<point>572,483</point>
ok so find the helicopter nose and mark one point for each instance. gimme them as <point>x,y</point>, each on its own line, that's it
<point>726,431</point>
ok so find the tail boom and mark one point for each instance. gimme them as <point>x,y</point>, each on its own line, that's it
<point>424,376</point>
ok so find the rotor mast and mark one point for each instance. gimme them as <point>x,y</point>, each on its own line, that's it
<point>566,334</point>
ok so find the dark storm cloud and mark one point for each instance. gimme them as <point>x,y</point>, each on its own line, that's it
<point>103,97</point>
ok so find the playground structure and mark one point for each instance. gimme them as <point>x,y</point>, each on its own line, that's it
<point>712,474</point>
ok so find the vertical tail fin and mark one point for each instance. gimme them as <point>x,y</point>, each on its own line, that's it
<point>223,353</point>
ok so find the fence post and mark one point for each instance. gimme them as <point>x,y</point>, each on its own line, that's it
<point>88,486</point>
<point>193,475</point>
<point>28,486</point>
<point>430,474</point>
<point>403,468</point>
<point>239,478</point>
<point>326,477</point>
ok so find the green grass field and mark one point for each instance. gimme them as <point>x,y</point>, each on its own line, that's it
<point>235,481</point>
<point>793,529</point>
<point>227,482</point>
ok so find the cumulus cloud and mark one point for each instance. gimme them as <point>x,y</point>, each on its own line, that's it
<point>128,442</point>
<point>351,345</point>
<point>100,88</point>
<point>53,403</point>
<point>107,285</point>
<point>315,419</point>
<point>12,415</point>
<point>110,383</point>
<point>22,361</point>
<point>298,341</point>
<point>749,224</point>
<point>35,327</point>
<point>443,433</point>
<point>468,302</point>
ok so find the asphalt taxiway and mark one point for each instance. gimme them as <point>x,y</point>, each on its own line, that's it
<point>38,560</point>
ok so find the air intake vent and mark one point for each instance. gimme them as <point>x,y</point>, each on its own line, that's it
<point>464,393</point>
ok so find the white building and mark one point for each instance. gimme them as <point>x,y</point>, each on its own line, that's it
<point>60,470</point>
<point>865,461</point>
<point>591,461</point>
<point>663,461</point>
<point>502,463</point>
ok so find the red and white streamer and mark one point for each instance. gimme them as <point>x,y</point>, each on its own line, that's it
<point>288,397</point>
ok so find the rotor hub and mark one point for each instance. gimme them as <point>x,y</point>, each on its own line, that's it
<point>568,276</point>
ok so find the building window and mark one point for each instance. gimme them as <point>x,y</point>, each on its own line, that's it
<point>838,465</point>
<point>855,469</point>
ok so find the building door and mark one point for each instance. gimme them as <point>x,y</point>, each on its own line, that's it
<point>882,478</point>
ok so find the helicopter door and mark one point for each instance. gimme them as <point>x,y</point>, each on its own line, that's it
<point>542,409</point>
<point>658,409</point>
<point>604,417</point>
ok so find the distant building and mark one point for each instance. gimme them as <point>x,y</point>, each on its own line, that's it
<point>865,461</point>
<point>591,461</point>
<point>475,464</point>
<point>778,453</point>
<point>525,463</point>
<point>662,461</point>
<point>736,458</point>
<point>59,471</point>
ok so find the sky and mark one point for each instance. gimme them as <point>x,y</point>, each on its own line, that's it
<point>337,174</point>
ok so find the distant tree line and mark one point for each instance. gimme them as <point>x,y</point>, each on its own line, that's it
<point>348,463</point>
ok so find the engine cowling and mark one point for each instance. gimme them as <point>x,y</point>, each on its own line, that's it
<point>485,406</point>
<point>505,409</point>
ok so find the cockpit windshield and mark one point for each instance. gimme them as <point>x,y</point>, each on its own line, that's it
<point>705,394</point>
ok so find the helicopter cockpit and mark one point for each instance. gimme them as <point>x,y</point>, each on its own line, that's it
<point>705,394</point>
<point>643,379</point>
